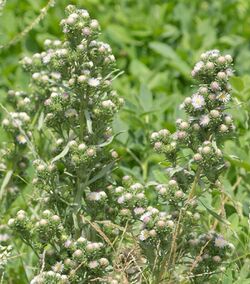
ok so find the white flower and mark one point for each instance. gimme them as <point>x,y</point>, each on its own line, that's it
<point>93,196</point>
<point>139,210</point>
<point>121,199</point>
<point>224,97</point>
<point>198,101</point>
<point>213,53</point>
<point>198,66</point>
<point>93,82</point>
<point>145,218</point>
<point>21,139</point>
<point>93,264</point>
<point>108,104</point>
<point>70,112</point>
<point>58,267</point>
<point>46,59</point>
<point>220,242</point>
<point>204,120</point>
<point>56,75</point>
<point>136,186</point>
<point>143,235</point>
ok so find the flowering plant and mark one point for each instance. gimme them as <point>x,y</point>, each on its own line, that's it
<point>175,245</point>
<point>71,88</point>
<point>87,227</point>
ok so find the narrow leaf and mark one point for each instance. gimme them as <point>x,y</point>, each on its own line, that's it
<point>89,121</point>
<point>214,214</point>
<point>62,154</point>
<point>5,182</point>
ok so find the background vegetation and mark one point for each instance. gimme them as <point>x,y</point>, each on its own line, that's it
<point>156,44</point>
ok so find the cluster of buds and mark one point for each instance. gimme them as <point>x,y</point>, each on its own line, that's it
<point>21,224</point>
<point>156,225</point>
<point>16,123</point>
<point>128,199</point>
<point>14,152</point>
<point>5,254</point>
<point>200,137</point>
<point>208,250</point>
<point>50,277</point>
<point>71,90</point>
<point>19,99</point>
<point>48,227</point>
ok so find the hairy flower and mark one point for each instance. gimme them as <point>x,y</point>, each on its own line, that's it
<point>198,101</point>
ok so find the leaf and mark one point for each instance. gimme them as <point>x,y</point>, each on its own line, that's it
<point>145,98</point>
<point>5,182</point>
<point>237,83</point>
<point>238,162</point>
<point>214,214</point>
<point>62,154</point>
<point>174,59</point>
<point>110,139</point>
<point>120,35</point>
<point>140,70</point>
<point>120,125</point>
<point>89,121</point>
<point>102,173</point>
<point>40,121</point>
<point>160,176</point>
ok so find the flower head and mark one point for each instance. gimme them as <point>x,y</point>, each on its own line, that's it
<point>198,101</point>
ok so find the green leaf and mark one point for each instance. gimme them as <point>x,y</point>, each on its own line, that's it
<point>160,176</point>
<point>174,59</point>
<point>139,70</point>
<point>214,214</point>
<point>5,182</point>
<point>238,162</point>
<point>120,125</point>
<point>110,139</point>
<point>146,98</point>
<point>40,121</point>
<point>237,83</point>
<point>89,121</point>
<point>62,154</point>
<point>104,171</point>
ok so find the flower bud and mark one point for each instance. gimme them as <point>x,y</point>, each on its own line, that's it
<point>221,59</point>
<point>210,65</point>
<point>228,119</point>
<point>228,58</point>
<point>170,224</point>
<point>187,101</point>
<point>215,86</point>
<point>222,75</point>
<point>179,194</point>
<point>197,157</point>
<point>223,128</point>
<point>216,258</point>
<point>206,150</point>
<point>103,261</point>
<point>78,253</point>
<point>184,125</point>
<point>161,224</point>
<point>214,113</point>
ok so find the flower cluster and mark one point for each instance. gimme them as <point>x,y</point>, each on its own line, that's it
<point>71,87</point>
<point>200,137</point>
<point>5,254</point>
<point>83,217</point>
<point>209,250</point>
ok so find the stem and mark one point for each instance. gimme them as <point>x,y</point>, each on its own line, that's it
<point>21,259</point>
<point>82,119</point>
<point>193,188</point>
<point>177,230</point>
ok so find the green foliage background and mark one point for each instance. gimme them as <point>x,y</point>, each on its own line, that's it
<point>156,43</point>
